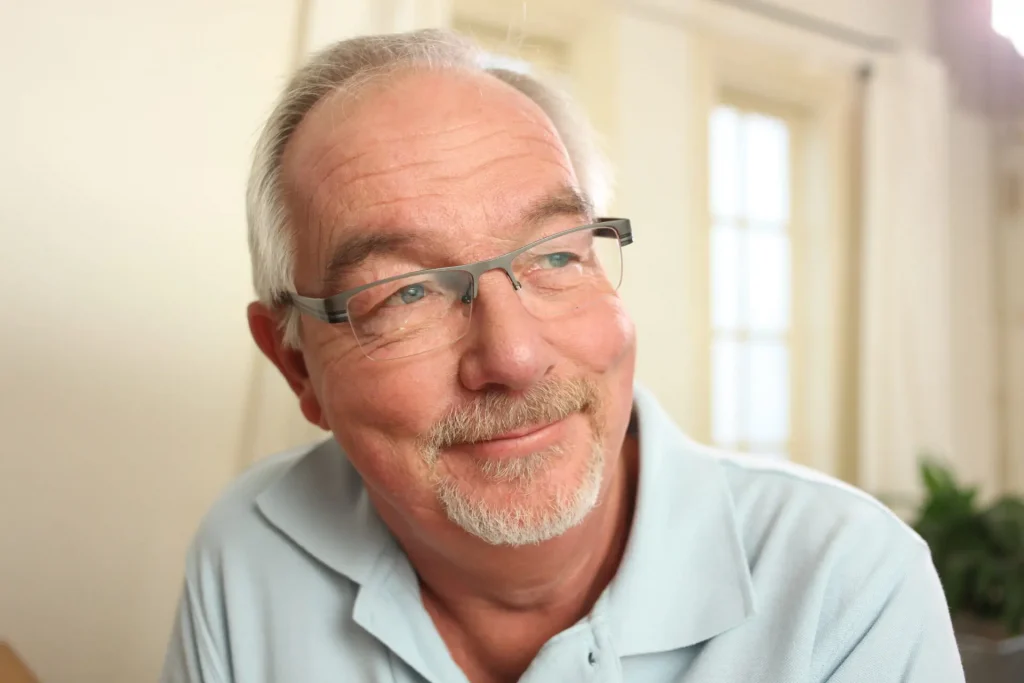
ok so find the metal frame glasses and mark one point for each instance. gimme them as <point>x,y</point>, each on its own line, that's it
<point>463,281</point>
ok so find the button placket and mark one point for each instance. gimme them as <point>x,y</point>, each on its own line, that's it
<point>602,660</point>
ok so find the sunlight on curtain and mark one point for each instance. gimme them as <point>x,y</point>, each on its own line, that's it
<point>906,406</point>
<point>1008,21</point>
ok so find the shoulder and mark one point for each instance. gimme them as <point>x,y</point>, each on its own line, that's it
<point>824,550</point>
<point>783,513</point>
<point>236,508</point>
<point>796,524</point>
<point>234,537</point>
<point>286,534</point>
<point>774,497</point>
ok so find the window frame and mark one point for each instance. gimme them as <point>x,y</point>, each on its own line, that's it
<point>793,117</point>
<point>822,99</point>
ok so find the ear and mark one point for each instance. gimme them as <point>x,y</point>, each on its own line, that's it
<point>268,335</point>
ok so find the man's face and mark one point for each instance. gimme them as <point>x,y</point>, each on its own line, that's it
<point>509,431</point>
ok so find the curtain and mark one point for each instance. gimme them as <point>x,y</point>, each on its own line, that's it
<point>1010,285</point>
<point>905,359</point>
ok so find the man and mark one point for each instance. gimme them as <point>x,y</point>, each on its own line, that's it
<point>498,502</point>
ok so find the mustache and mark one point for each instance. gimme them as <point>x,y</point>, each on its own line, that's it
<point>496,413</point>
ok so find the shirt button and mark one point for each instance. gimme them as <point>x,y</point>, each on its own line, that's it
<point>592,658</point>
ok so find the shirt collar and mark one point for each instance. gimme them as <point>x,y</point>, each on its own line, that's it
<point>323,507</point>
<point>684,577</point>
<point>320,503</point>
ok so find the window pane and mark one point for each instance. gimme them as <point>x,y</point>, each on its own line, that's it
<point>768,280</point>
<point>725,401</point>
<point>768,397</point>
<point>766,168</point>
<point>725,277</point>
<point>725,163</point>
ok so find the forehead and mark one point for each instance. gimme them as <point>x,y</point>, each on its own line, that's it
<point>413,101</point>
<point>426,149</point>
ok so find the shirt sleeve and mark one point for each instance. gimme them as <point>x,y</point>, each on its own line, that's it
<point>192,656</point>
<point>909,637</point>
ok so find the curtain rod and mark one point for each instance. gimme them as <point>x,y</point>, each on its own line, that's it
<point>807,22</point>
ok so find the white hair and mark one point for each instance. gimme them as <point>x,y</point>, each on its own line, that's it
<point>344,67</point>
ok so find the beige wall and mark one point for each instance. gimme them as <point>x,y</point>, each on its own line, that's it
<point>124,353</point>
<point>662,99</point>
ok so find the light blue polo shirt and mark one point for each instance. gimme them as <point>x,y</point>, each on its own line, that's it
<point>736,570</point>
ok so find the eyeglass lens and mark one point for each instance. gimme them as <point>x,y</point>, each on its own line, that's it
<point>419,313</point>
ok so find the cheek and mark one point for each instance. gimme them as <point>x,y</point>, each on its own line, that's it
<point>601,339</point>
<point>377,411</point>
<point>603,345</point>
<point>361,396</point>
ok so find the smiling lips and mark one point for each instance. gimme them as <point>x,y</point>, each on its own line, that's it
<point>519,442</point>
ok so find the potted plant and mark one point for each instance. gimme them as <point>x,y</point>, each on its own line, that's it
<point>978,551</point>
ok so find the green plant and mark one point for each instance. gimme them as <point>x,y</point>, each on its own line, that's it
<point>978,550</point>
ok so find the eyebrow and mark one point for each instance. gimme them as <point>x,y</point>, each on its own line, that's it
<point>355,250</point>
<point>567,201</point>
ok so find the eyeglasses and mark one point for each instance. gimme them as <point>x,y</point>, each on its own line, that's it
<point>418,312</point>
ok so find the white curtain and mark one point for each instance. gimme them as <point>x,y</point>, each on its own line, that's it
<point>272,420</point>
<point>905,361</point>
<point>1010,243</point>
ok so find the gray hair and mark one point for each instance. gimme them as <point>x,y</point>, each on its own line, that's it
<point>343,68</point>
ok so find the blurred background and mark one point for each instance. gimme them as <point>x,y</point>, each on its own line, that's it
<point>827,198</point>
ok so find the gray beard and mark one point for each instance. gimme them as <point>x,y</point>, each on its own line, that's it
<point>524,523</point>
<point>496,413</point>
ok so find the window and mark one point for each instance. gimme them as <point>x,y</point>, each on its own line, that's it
<point>1008,21</point>
<point>751,274</point>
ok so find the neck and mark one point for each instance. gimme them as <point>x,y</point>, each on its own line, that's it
<point>495,606</point>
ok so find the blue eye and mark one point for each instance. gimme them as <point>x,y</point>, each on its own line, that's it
<point>411,294</point>
<point>558,260</point>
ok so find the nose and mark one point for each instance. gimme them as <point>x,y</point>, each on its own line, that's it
<point>505,349</point>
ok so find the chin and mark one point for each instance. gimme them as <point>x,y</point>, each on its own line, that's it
<point>528,500</point>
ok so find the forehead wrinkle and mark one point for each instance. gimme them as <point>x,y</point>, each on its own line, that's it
<point>546,136</point>
<point>347,160</point>
<point>313,220</point>
<point>434,132</point>
<point>371,122</point>
<point>546,140</point>
<point>539,139</point>
<point>488,164</point>
<point>398,200</point>
<point>400,168</point>
<point>323,185</point>
<point>374,141</point>
<point>446,178</point>
<point>355,108</point>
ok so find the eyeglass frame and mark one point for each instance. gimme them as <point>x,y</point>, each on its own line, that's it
<point>334,309</point>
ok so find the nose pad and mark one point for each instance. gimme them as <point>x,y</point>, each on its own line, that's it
<point>516,285</point>
<point>474,288</point>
